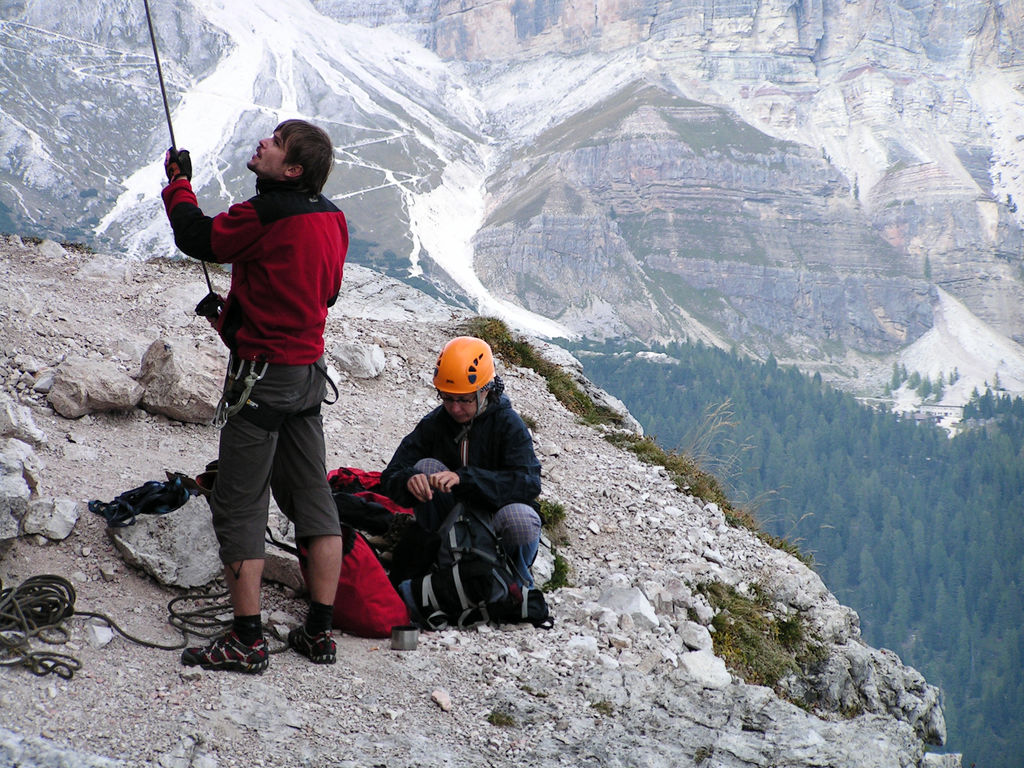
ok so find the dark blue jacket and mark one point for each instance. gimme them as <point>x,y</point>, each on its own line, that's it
<point>502,467</point>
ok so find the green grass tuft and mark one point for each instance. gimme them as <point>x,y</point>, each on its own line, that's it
<point>684,469</point>
<point>603,706</point>
<point>560,575</point>
<point>756,643</point>
<point>552,517</point>
<point>502,719</point>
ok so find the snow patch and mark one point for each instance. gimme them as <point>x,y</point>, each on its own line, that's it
<point>1000,98</point>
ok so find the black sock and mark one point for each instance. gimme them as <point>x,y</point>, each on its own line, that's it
<point>248,628</point>
<point>319,618</point>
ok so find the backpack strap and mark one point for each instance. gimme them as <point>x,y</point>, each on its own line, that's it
<point>437,619</point>
<point>459,588</point>
<point>151,498</point>
<point>474,615</point>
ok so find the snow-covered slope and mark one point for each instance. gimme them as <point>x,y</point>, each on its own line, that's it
<point>962,345</point>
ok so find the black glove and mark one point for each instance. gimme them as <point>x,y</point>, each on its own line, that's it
<point>210,307</point>
<point>178,162</point>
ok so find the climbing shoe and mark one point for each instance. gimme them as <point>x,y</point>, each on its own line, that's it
<point>228,652</point>
<point>318,648</point>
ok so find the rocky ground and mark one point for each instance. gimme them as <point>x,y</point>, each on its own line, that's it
<point>626,676</point>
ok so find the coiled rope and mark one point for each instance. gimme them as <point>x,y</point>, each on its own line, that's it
<point>37,608</point>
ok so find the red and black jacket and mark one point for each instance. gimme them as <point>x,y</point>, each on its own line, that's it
<point>287,251</point>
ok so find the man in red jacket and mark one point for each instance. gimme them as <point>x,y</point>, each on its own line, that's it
<point>287,248</point>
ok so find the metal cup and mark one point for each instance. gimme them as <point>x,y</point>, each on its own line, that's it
<point>404,638</point>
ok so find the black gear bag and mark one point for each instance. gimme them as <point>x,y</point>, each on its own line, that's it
<point>472,581</point>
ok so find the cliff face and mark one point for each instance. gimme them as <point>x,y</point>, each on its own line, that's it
<point>670,203</point>
<point>795,177</point>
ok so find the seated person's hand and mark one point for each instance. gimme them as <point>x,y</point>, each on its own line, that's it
<point>444,481</point>
<point>419,486</point>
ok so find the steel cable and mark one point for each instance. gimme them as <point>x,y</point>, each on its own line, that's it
<point>167,109</point>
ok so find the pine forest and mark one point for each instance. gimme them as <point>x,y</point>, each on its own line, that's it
<point>919,531</point>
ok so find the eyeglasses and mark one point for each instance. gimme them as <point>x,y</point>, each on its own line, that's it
<point>446,398</point>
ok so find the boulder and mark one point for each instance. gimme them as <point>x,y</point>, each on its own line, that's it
<point>178,549</point>
<point>182,380</point>
<point>83,386</point>
<point>363,361</point>
<point>52,518</point>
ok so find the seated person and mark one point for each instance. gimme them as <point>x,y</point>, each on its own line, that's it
<point>473,448</point>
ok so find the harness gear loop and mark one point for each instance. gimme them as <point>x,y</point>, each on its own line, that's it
<point>226,409</point>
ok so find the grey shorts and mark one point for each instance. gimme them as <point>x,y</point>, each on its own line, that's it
<point>289,462</point>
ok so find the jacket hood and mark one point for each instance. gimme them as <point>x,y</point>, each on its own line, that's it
<point>497,401</point>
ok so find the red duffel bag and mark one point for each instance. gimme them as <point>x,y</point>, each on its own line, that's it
<point>366,604</point>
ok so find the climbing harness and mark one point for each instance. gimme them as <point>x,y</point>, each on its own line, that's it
<point>329,380</point>
<point>225,408</point>
<point>264,417</point>
<point>151,498</point>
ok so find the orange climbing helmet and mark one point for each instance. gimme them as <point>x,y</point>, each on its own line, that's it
<point>465,365</point>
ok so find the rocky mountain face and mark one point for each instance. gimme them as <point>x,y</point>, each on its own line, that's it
<point>100,396</point>
<point>797,179</point>
<point>682,206</point>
